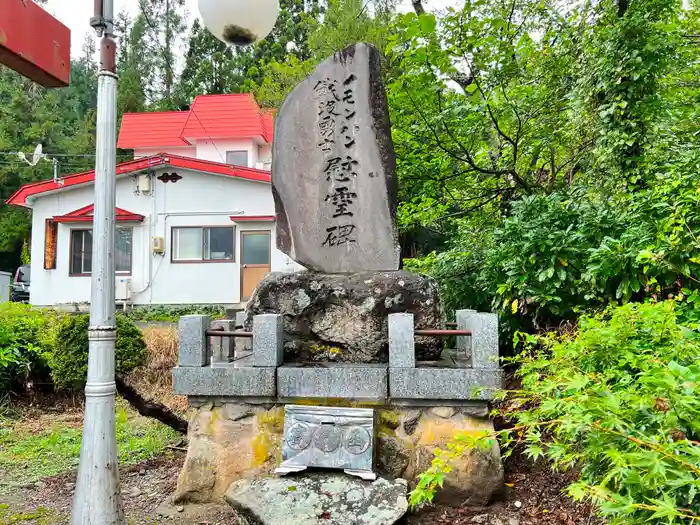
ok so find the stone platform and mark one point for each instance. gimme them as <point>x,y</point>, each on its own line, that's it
<point>231,441</point>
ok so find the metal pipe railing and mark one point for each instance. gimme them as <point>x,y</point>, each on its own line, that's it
<point>442,333</point>
<point>222,333</point>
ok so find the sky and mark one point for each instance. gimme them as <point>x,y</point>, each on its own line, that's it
<point>76,14</point>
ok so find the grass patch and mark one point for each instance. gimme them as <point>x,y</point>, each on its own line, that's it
<point>40,516</point>
<point>35,448</point>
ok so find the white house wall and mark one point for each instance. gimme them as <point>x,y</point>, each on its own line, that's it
<point>215,150</point>
<point>196,200</point>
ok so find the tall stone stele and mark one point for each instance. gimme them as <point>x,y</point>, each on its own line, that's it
<point>333,168</point>
<point>334,184</point>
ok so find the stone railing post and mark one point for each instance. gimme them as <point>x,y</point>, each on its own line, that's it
<point>268,340</point>
<point>402,344</point>
<point>484,338</point>
<point>222,348</point>
<point>464,342</point>
<point>193,340</point>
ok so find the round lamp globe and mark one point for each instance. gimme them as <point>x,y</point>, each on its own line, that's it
<point>239,22</point>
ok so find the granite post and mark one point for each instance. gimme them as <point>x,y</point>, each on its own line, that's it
<point>221,347</point>
<point>402,343</point>
<point>268,340</point>
<point>193,340</point>
<point>484,338</point>
<point>464,342</point>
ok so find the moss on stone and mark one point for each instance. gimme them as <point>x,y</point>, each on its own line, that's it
<point>389,418</point>
<point>211,426</point>
<point>266,445</point>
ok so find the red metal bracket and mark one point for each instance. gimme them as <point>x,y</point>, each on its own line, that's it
<point>34,43</point>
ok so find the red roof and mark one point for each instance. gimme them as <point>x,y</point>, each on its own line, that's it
<point>19,198</point>
<point>232,116</point>
<point>141,130</point>
<point>86,215</point>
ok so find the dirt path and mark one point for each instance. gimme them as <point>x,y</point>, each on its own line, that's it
<point>146,488</point>
<point>533,497</point>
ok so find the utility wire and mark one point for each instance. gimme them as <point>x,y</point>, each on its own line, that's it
<point>208,135</point>
<point>83,155</point>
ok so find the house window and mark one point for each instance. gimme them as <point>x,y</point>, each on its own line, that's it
<point>81,251</point>
<point>203,244</point>
<point>237,158</point>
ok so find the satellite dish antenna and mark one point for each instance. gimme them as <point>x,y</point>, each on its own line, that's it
<point>36,156</point>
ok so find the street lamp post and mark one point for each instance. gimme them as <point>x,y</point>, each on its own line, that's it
<point>97,498</point>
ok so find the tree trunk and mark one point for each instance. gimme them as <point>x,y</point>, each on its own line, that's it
<point>151,409</point>
<point>622,6</point>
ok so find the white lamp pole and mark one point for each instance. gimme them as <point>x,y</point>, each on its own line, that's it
<point>97,498</point>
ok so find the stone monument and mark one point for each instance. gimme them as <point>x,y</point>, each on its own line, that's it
<point>333,174</point>
<point>334,184</point>
<point>352,332</point>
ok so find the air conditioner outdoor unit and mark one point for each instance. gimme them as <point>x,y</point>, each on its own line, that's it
<point>122,288</point>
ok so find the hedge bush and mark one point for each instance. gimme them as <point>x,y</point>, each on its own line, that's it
<point>172,313</point>
<point>26,342</point>
<point>70,358</point>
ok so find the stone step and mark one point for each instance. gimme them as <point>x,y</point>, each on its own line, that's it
<point>318,497</point>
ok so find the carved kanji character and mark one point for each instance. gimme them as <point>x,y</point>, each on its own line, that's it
<point>339,235</point>
<point>341,198</point>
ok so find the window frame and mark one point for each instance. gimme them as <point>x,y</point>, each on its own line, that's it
<point>174,260</point>
<point>247,157</point>
<point>70,252</point>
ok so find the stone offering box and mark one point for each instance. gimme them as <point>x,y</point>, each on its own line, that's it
<point>218,363</point>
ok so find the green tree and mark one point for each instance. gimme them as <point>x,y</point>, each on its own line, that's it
<point>164,21</point>
<point>209,67</point>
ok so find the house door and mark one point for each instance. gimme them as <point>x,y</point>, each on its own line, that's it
<point>255,260</point>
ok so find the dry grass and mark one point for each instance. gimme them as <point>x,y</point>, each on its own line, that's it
<point>154,381</point>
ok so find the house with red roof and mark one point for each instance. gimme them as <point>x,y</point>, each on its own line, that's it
<point>195,214</point>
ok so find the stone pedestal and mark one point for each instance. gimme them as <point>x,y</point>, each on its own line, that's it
<point>344,317</point>
<point>232,442</point>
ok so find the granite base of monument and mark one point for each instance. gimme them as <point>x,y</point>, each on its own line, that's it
<point>229,442</point>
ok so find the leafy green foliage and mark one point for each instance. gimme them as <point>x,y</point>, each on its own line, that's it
<point>556,256</point>
<point>26,341</point>
<point>619,400</point>
<point>69,360</point>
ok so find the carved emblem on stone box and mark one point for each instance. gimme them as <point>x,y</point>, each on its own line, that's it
<point>299,436</point>
<point>341,438</point>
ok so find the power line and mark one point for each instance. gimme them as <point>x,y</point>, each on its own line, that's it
<point>83,155</point>
<point>208,135</point>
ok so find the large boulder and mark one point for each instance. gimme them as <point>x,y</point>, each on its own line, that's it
<point>344,317</point>
<point>235,442</point>
<point>319,497</point>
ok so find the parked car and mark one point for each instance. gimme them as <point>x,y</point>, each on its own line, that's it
<point>20,285</point>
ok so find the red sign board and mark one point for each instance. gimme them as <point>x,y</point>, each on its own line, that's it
<point>34,43</point>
